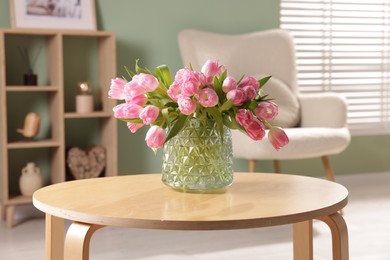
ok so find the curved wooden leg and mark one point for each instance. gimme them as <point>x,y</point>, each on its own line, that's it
<point>303,240</point>
<point>54,238</point>
<point>339,232</point>
<point>77,240</point>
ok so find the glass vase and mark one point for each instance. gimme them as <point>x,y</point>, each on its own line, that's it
<point>196,159</point>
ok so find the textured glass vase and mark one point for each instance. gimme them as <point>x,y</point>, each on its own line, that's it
<point>196,159</point>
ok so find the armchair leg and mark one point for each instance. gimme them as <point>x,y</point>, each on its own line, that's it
<point>252,165</point>
<point>328,168</point>
<point>277,167</point>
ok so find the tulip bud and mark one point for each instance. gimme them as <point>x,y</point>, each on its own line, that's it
<point>277,137</point>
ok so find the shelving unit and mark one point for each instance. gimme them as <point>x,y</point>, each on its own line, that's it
<point>54,93</point>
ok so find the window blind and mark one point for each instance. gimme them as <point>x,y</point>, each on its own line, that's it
<point>344,46</point>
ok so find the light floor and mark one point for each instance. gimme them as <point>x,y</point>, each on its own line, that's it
<point>367,216</point>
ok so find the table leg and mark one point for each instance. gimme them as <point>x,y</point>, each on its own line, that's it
<point>54,238</point>
<point>339,232</point>
<point>77,240</point>
<point>303,240</point>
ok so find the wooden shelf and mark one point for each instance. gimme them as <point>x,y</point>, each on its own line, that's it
<point>37,32</point>
<point>33,144</point>
<point>56,46</point>
<point>31,88</point>
<point>96,114</point>
<point>19,200</point>
<point>54,32</point>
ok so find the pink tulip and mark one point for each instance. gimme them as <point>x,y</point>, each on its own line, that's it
<point>146,81</point>
<point>187,83</point>
<point>186,74</point>
<point>126,110</point>
<point>244,117</point>
<point>174,91</point>
<point>210,69</point>
<point>255,130</point>
<point>237,95</point>
<point>140,100</point>
<point>250,92</point>
<point>266,110</point>
<point>132,89</point>
<point>249,81</point>
<point>180,74</point>
<point>117,89</point>
<point>186,105</point>
<point>133,127</point>
<point>155,137</point>
<point>207,97</point>
<point>229,84</point>
<point>149,114</point>
<point>277,137</point>
<point>190,87</point>
<point>201,79</point>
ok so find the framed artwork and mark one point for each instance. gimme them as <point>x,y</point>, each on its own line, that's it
<point>53,14</point>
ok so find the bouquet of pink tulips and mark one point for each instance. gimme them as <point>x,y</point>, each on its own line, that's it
<point>153,98</point>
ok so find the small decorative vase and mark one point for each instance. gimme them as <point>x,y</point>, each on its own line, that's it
<point>196,159</point>
<point>30,180</point>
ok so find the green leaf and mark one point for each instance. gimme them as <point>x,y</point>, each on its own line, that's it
<point>165,113</point>
<point>230,121</point>
<point>132,120</point>
<point>264,80</point>
<point>252,105</point>
<point>223,76</point>
<point>227,105</point>
<point>200,113</point>
<point>170,103</point>
<point>139,70</point>
<point>154,102</point>
<point>164,75</point>
<point>239,81</point>
<point>216,82</point>
<point>218,89</point>
<point>177,126</point>
<point>131,74</point>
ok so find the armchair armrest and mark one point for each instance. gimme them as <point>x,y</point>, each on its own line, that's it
<point>323,110</point>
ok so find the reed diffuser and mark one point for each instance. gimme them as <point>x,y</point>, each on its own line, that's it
<point>30,78</point>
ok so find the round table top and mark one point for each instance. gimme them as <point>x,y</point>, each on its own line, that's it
<point>143,201</point>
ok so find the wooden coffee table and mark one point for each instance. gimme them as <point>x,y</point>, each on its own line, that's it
<point>142,201</point>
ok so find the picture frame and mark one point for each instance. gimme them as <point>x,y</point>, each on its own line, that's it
<point>53,14</point>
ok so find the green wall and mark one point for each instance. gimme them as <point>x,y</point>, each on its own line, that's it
<point>147,30</point>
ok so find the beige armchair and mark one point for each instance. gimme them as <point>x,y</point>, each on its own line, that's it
<point>315,123</point>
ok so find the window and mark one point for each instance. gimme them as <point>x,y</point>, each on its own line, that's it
<point>344,46</point>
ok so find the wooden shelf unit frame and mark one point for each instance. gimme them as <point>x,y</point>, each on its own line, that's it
<point>56,143</point>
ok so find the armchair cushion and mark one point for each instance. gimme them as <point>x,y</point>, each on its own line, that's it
<point>304,143</point>
<point>287,101</point>
<point>323,110</point>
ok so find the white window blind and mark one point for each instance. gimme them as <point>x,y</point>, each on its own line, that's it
<point>344,46</point>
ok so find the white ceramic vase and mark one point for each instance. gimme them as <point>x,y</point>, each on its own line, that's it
<point>30,179</point>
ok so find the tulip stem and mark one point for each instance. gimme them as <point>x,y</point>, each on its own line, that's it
<point>268,125</point>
